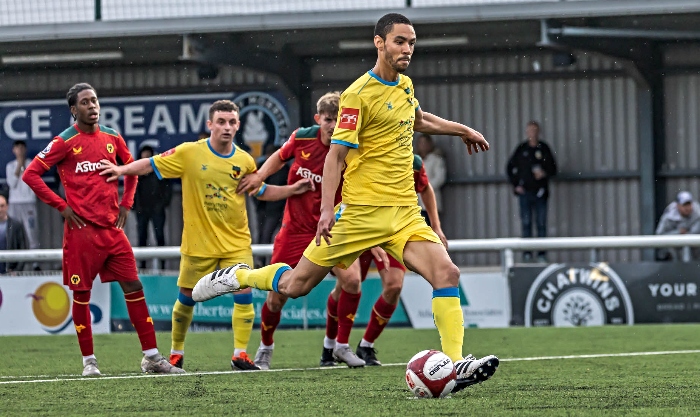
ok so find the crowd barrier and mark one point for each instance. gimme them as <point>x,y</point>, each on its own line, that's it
<point>574,294</point>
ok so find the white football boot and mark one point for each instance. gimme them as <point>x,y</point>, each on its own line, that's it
<point>471,370</point>
<point>219,282</point>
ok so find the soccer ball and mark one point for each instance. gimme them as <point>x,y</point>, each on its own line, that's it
<point>430,374</point>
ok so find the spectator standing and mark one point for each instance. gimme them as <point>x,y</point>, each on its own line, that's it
<point>152,197</point>
<point>434,164</point>
<point>680,217</point>
<point>23,208</point>
<point>529,170</point>
<point>12,237</point>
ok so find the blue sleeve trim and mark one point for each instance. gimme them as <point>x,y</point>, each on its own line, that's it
<point>278,274</point>
<point>344,143</point>
<point>446,292</point>
<point>243,298</point>
<point>185,300</point>
<point>261,191</point>
<point>155,169</point>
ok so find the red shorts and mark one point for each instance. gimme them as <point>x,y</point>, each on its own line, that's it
<point>289,248</point>
<point>93,250</point>
<point>366,259</point>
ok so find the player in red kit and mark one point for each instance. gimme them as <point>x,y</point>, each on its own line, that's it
<point>308,147</point>
<point>93,239</point>
<point>392,277</point>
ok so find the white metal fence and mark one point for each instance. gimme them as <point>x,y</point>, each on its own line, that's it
<point>507,246</point>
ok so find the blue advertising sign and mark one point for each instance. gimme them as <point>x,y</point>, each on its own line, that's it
<point>159,121</point>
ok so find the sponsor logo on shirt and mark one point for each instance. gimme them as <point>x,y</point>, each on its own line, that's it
<point>87,166</point>
<point>348,118</point>
<point>305,173</point>
<point>168,152</point>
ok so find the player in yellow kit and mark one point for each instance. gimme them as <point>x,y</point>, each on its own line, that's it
<point>215,233</point>
<point>373,138</point>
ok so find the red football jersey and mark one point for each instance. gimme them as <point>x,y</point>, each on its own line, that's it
<point>77,155</point>
<point>302,212</point>
<point>420,177</point>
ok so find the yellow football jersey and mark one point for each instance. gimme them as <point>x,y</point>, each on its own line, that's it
<point>214,216</point>
<point>375,120</point>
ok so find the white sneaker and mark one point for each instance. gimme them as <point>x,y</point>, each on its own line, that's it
<point>90,368</point>
<point>219,282</point>
<point>345,354</point>
<point>157,364</point>
<point>471,370</point>
<point>263,358</point>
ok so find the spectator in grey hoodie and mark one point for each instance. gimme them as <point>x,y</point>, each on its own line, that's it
<point>680,217</point>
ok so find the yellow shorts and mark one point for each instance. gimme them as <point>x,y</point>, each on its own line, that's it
<point>192,268</point>
<point>359,228</point>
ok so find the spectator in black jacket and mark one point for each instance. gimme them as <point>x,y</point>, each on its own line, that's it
<point>269,213</point>
<point>150,201</point>
<point>12,237</point>
<point>529,170</point>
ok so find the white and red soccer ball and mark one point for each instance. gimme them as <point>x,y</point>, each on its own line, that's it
<point>430,374</point>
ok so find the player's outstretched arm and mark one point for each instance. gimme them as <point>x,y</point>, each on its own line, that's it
<point>253,182</point>
<point>113,171</point>
<point>332,169</point>
<point>280,192</point>
<point>428,196</point>
<point>435,125</point>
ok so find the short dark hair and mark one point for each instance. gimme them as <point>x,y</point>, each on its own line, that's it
<point>386,23</point>
<point>223,105</point>
<point>72,95</point>
<point>19,143</point>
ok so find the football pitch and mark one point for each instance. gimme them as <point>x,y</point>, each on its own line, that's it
<point>600,371</point>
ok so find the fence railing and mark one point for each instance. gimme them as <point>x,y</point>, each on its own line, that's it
<point>507,246</point>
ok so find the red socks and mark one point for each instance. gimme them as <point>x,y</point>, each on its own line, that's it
<point>83,321</point>
<point>381,313</point>
<point>331,318</point>
<point>269,323</point>
<point>141,319</point>
<point>347,308</point>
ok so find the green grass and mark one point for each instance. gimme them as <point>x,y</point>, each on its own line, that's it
<point>608,386</point>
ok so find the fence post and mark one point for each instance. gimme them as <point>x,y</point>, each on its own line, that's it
<point>507,259</point>
<point>594,255</point>
<point>98,10</point>
<point>686,253</point>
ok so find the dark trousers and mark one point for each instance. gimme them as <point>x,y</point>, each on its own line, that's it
<point>529,204</point>
<point>158,220</point>
<point>267,224</point>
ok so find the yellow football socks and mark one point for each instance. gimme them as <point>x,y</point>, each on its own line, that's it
<point>242,320</point>
<point>182,317</point>
<point>264,278</point>
<point>447,314</point>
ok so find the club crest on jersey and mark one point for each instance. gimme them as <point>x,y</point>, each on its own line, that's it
<point>110,148</point>
<point>348,118</point>
<point>235,172</point>
<point>305,155</point>
<point>46,150</point>
<point>75,279</point>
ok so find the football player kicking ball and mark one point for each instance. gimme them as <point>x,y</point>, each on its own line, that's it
<point>392,277</point>
<point>308,147</point>
<point>93,237</point>
<point>215,233</point>
<point>373,139</point>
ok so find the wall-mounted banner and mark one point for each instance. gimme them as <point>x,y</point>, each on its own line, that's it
<point>568,295</point>
<point>483,296</point>
<point>161,292</point>
<point>160,121</point>
<point>41,305</point>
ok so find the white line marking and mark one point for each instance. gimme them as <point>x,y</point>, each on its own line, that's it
<point>62,378</point>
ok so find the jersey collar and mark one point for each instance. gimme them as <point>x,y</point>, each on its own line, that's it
<point>218,154</point>
<point>385,82</point>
